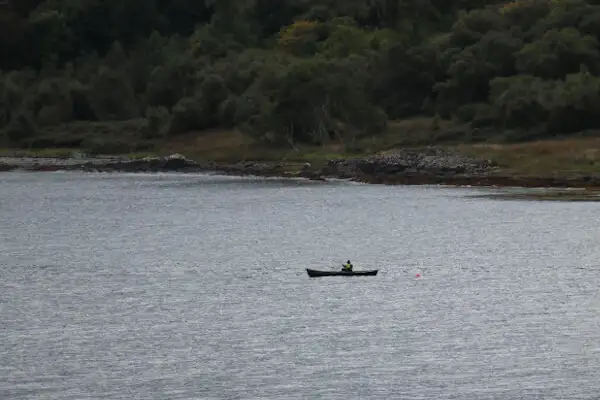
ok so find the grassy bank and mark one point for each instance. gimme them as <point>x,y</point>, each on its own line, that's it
<point>550,158</point>
<point>559,158</point>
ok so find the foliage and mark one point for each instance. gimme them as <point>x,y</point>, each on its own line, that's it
<point>306,71</point>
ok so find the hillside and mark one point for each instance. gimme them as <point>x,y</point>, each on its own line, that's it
<point>307,78</point>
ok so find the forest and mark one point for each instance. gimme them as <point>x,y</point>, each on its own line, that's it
<point>295,71</point>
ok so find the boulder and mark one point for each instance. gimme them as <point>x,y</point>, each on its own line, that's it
<point>176,161</point>
<point>426,162</point>
<point>6,167</point>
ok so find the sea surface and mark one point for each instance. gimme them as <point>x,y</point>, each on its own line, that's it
<point>123,286</point>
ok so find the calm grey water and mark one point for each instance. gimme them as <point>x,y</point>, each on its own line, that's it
<point>193,287</point>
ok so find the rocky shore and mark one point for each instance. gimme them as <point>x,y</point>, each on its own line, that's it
<point>407,167</point>
<point>172,163</point>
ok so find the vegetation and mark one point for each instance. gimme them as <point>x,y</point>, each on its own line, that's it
<point>346,75</point>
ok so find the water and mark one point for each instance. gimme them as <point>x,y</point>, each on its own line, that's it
<point>193,287</point>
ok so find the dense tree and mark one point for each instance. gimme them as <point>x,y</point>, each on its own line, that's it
<point>296,71</point>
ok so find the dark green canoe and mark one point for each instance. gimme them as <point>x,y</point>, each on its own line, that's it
<point>315,274</point>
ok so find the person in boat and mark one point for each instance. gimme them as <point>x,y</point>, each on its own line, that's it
<point>347,267</point>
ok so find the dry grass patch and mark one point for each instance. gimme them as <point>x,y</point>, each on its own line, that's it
<point>213,144</point>
<point>234,146</point>
<point>542,158</point>
<point>418,131</point>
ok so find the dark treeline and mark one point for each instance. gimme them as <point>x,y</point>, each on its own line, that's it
<point>294,71</point>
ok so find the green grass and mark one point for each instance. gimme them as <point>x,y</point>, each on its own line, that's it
<point>231,146</point>
<point>551,158</point>
<point>573,157</point>
<point>227,146</point>
<point>112,137</point>
<point>49,152</point>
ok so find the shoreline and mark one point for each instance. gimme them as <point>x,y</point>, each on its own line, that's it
<point>411,168</point>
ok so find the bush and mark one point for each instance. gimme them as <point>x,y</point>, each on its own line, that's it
<point>112,97</point>
<point>559,106</point>
<point>21,130</point>
<point>188,115</point>
<point>56,102</point>
<point>227,112</point>
<point>99,145</point>
<point>157,121</point>
<point>558,53</point>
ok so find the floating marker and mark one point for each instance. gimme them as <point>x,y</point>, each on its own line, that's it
<point>418,275</point>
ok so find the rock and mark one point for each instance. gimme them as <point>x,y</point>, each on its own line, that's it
<point>78,155</point>
<point>6,167</point>
<point>430,164</point>
<point>176,161</point>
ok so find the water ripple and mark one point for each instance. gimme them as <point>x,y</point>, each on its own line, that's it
<point>193,287</point>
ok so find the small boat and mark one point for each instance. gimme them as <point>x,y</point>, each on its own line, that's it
<point>314,273</point>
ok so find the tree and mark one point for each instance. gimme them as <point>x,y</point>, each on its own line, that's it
<point>558,53</point>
